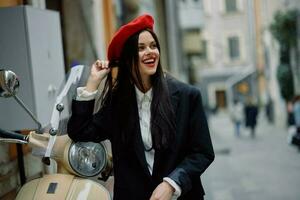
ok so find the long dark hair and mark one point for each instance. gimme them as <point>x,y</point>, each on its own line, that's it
<point>162,123</point>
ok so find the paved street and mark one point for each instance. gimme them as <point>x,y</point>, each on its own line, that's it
<point>263,168</point>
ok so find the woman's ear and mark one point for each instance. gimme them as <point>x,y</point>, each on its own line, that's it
<point>114,74</point>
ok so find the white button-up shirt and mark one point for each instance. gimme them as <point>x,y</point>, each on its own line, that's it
<point>144,108</point>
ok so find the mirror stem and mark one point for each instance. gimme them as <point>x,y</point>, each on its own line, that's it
<point>29,112</point>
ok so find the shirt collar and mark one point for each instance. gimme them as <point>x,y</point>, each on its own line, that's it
<point>143,96</point>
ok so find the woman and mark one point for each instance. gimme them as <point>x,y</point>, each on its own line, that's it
<point>158,131</point>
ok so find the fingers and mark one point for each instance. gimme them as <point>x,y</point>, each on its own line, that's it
<point>101,64</point>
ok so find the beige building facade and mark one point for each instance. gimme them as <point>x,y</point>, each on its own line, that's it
<point>228,56</point>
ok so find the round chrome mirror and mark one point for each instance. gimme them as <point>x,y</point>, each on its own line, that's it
<point>9,83</point>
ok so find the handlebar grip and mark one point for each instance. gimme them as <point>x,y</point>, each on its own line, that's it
<point>12,135</point>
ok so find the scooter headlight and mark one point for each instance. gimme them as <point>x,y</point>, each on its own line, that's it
<point>87,158</point>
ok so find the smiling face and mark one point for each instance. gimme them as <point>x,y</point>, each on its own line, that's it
<point>148,56</point>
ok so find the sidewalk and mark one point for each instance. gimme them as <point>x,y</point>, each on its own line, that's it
<point>263,168</point>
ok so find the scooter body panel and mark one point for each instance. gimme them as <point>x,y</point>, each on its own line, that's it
<point>62,186</point>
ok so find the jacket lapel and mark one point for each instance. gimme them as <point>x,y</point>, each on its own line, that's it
<point>174,95</point>
<point>138,142</point>
<point>162,158</point>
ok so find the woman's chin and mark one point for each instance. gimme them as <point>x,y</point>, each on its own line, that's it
<point>151,72</point>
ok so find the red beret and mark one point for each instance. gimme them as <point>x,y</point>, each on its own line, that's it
<point>116,45</point>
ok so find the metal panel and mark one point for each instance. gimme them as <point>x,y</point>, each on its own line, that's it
<point>30,45</point>
<point>14,56</point>
<point>45,45</point>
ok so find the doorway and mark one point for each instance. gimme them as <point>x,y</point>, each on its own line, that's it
<point>221,99</point>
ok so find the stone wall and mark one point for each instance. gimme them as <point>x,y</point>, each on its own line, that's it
<point>9,171</point>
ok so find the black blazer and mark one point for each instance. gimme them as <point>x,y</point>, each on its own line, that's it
<point>184,162</point>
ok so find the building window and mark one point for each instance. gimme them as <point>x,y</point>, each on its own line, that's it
<point>234,48</point>
<point>230,6</point>
<point>203,54</point>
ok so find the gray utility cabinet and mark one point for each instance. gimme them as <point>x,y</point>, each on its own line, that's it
<point>31,46</point>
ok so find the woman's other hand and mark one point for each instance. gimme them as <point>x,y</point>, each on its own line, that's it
<point>163,191</point>
<point>99,71</point>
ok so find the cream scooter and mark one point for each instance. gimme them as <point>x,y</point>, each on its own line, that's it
<point>75,161</point>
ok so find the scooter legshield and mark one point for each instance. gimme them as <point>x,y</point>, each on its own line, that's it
<point>62,186</point>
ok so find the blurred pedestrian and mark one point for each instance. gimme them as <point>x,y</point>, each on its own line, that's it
<point>296,110</point>
<point>236,114</point>
<point>251,111</point>
<point>270,110</point>
<point>290,114</point>
<point>296,113</point>
<point>156,124</point>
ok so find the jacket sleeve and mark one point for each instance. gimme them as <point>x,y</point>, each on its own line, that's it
<point>84,126</point>
<point>199,151</point>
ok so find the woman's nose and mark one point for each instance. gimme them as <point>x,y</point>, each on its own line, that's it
<point>148,50</point>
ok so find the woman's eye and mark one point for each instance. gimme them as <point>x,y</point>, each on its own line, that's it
<point>153,46</point>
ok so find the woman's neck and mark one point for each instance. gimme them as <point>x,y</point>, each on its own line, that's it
<point>145,84</point>
<point>145,88</point>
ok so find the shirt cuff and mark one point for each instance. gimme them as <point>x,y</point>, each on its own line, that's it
<point>177,188</point>
<point>84,95</point>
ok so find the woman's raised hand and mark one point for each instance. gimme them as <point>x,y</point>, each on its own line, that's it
<point>99,71</point>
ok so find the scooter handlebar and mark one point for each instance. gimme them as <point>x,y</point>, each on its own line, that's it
<point>12,135</point>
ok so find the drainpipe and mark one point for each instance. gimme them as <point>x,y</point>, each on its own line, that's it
<point>297,66</point>
<point>174,40</point>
